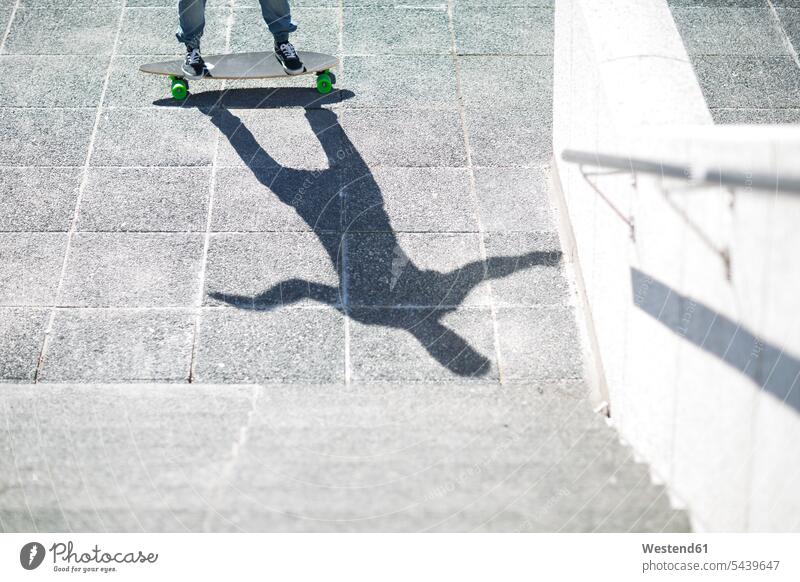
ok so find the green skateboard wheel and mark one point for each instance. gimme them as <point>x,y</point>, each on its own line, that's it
<point>180,88</point>
<point>324,82</point>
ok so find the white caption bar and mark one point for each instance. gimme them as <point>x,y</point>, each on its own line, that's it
<point>400,557</point>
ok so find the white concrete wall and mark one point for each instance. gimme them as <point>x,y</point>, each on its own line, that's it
<point>697,359</point>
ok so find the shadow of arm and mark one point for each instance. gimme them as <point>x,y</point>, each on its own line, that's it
<point>499,267</point>
<point>284,293</point>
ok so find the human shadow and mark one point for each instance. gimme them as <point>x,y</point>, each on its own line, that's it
<point>378,284</point>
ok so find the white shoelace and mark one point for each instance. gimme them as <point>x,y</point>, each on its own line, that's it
<point>194,57</point>
<point>288,50</point>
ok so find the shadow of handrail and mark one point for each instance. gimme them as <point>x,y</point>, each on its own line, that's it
<point>769,366</point>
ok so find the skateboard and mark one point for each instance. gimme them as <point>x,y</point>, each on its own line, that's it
<point>246,66</point>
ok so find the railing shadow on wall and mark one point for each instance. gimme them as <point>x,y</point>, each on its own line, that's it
<point>770,367</point>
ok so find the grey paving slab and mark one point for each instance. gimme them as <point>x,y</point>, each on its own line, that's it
<point>415,269</point>
<point>526,269</point>
<point>790,22</point>
<point>30,267</point>
<point>21,335</point>
<point>389,3</point>
<point>510,137</point>
<point>538,343</point>
<point>73,30</point>
<point>524,3</point>
<point>512,30</point>
<point>163,137</point>
<point>400,82</point>
<point>729,31</point>
<point>145,199</point>
<point>244,3</point>
<point>38,199</point>
<point>106,345</point>
<point>6,10</point>
<point>270,269</point>
<point>723,3</point>
<point>749,81</point>
<point>421,138</point>
<point>534,464</point>
<point>132,270</point>
<point>421,345</point>
<point>151,31</point>
<point>275,199</point>
<point>514,199</point>
<point>45,137</point>
<point>752,115</point>
<point>67,3</point>
<point>153,517</point>
<point>269,138</point>
<point>96,493</point>
<point>116,459</point>
<point>283,345</point>
<point>51,81</point>
<point>391,30</point>
<point>402,457</point>
<point>317,30</point>
<point>406,454</point>
<point>411,200</point>
<point>171,4</point>
<point>521,82</point>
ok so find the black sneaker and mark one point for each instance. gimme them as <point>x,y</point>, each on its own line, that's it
<point>193,65</point>
<point>287,56</point>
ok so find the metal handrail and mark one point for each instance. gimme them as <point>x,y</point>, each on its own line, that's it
<point>716,177</point>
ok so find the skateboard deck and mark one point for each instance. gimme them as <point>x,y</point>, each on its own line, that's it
<point>262,65</point>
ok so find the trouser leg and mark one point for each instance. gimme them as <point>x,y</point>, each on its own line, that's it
<point>191,21</point>
<point>278,17</point>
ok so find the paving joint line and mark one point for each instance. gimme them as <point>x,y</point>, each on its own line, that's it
<point>311,306</point>
<point>229,468</point>
<point>473,189</point>
<point>785,37</point>
<point>212,186</point>
<point>345,233</point>
<point>76,212</point>
<point>206,167</point>
<point>11,18</point>
<point>345,281</point>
